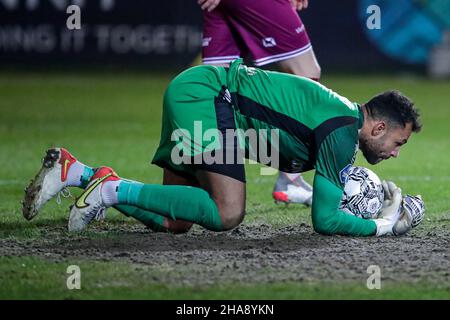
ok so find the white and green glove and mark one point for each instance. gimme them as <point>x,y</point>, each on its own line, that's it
<point>411,215</point>
<point>416,207</point>
<point>398,216</point>
<point>390,211</point>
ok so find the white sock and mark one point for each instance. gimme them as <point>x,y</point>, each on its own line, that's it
<point>74,174</point>
<point>110,194</point>
<point>292,176</point>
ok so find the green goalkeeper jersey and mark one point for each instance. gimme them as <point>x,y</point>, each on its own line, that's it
<point>316,129</point>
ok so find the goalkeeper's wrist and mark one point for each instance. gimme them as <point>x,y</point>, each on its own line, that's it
<point>384,227</point>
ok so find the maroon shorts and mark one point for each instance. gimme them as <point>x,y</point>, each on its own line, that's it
<point>267,30</point>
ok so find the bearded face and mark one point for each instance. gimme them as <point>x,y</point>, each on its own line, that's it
<point>372,149</point>
<point>377,145</point>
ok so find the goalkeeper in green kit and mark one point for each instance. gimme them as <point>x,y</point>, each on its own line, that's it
<point>213,118</point>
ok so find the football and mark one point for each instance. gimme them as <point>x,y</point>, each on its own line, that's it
<point>363,193</point>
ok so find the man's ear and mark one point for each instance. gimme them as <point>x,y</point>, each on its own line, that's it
<point>379,128</point>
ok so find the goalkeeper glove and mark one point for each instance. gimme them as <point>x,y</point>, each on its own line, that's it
<point>397,216</point>
<point>412,212</point>
<point>416,207</point>
<point>390,211</point>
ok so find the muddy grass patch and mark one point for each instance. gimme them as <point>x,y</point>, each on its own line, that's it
<point>252,253</point>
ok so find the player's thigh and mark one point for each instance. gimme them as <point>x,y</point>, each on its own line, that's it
<point>219,46</point>
<point>170,177</point>
<point>271,29</point>
<point>228,193</point>
<point>304,65</point>
<point>188,114</point>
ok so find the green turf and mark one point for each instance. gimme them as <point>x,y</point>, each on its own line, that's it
<point>101,280</point>
<point>108,119</point>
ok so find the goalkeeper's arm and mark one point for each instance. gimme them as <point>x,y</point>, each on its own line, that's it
<point>395,219</point>
<point>326,216</point>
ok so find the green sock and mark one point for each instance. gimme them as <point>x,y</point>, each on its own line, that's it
<point>174,202</point>
<point>86,177</point>
<point>150,219</point>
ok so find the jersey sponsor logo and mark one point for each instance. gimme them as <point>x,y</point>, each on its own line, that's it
<point>343,174</point>
<point>269,42</point>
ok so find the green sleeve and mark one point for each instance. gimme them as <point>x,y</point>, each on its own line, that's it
<point>337,153</point>
<point>326,216</point>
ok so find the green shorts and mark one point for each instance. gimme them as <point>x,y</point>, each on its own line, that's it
<point>194,111</point>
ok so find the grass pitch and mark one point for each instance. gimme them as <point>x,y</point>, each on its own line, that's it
<point>114,119</point>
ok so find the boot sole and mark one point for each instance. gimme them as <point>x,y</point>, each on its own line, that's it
<point>29,209</point>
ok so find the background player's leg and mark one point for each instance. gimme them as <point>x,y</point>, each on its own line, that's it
<point>291,187</point>
<point>219,47</point>
<point>289,46</point>
<point>304,65</point>
<point>154,221</point>
<point>228,194</point>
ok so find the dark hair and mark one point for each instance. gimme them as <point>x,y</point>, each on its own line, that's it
<point>394,107</point>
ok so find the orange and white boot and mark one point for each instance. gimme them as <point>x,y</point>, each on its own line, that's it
<point>51,180</point>
<point>288,190</point>
<point>91,204</point>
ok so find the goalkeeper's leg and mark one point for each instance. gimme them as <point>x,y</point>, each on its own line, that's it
<point>218,205</point>
<point>154,221</point>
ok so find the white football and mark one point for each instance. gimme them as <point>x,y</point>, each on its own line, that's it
<point>363,193</point>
